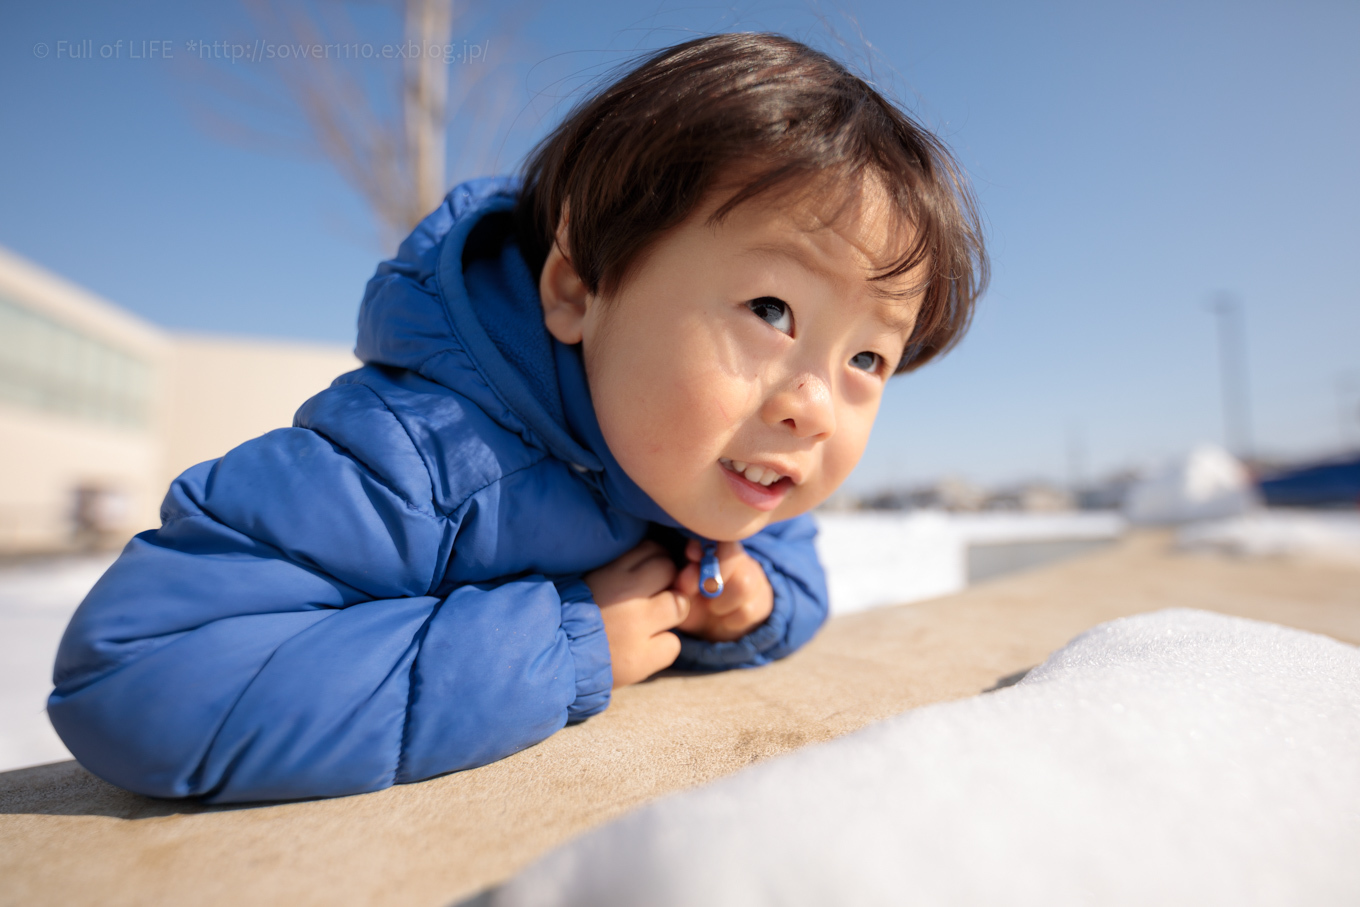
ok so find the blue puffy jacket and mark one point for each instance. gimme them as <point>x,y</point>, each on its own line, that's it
<point>390,589</point>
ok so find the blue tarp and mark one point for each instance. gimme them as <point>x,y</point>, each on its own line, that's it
<point>1321,485</point>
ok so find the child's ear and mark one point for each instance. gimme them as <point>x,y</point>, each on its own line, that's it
<point>564,296</point>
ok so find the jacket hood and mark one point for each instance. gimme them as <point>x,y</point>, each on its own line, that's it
<point>459,306</point>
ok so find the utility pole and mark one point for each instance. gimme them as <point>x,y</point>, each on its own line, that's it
<point>1076,457</point>
<point>1347,406</point>
<point>1232,366</point>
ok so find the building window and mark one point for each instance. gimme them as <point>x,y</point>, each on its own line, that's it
<point>48,366</point>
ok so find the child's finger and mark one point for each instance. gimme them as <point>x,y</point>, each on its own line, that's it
<point>696,624</point>
<point>666,611</point>
<point>728,552</point>
<point>683,605</point>
<point>694,551</point>
<point>636,555</point>
<point>739,621</point>
<point>687,584</point>
<point>687,580</point>
<point>662,651</point>
<point>653,574</point>
<point>727,603</point>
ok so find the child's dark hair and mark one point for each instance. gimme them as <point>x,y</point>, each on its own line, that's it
<point>636,158</point>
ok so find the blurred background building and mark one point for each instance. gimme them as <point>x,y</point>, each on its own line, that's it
<point>100,409</point>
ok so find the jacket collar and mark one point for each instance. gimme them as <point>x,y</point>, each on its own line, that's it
<point>442,312</point>
<point>610,480</point>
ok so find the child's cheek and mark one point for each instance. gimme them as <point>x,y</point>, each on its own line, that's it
<point>728,380</point>
<point>842,454</point>
<point>717,407</point>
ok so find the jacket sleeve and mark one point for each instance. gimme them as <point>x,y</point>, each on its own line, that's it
<point>278,637</point>
<point>789,556</point>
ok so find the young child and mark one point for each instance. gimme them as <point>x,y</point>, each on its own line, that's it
<point>675,329</point>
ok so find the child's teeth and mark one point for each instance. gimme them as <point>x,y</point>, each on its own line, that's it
<point>753,472</point>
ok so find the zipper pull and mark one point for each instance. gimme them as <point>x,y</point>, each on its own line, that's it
<point>710,576</point>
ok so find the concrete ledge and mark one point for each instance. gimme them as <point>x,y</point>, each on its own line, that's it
<point>68,838</point>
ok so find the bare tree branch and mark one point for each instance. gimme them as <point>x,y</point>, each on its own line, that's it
<point>382,124</point>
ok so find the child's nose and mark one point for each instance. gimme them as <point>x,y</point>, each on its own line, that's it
<point>804,405</point>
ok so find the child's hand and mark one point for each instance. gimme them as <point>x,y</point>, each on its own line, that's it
<point>746,599</point>
<point>639,607</point>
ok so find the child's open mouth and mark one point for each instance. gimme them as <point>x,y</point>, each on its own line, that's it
<point>755,485</point>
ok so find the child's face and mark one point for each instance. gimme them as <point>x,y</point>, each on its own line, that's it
<point>755,343</point>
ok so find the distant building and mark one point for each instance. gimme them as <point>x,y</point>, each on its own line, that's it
<point>947,494</point>
<point>959,496</point>
<point>1034,497</point>
<point>99,409</point>
<point>1108,493</point>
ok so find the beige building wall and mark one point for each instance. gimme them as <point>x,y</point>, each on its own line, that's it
<point>45,459</point>
<point>223,391</point>
<point>99,410</point>
<point>82,412</point>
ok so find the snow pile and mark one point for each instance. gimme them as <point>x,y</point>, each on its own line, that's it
<point>1178,757</point>
<point>1207,484</point>
<point>1007,528</point>
<point>1279,533</point>
<point>36,601</point>
<point>876,559</point>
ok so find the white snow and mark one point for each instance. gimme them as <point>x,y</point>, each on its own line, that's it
<point>877,559</point>
<point>1172,758</point>
<point>1279,533</point>
<point>1206,484</point>
<point>874,559</point>
<point>1002,528</point>
<point>36,601</point>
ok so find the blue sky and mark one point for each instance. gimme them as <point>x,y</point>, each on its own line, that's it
<point>1131,160</point>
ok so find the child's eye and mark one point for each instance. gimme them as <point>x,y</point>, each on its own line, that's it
<point>870,362</point>
<point>774,312</point>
